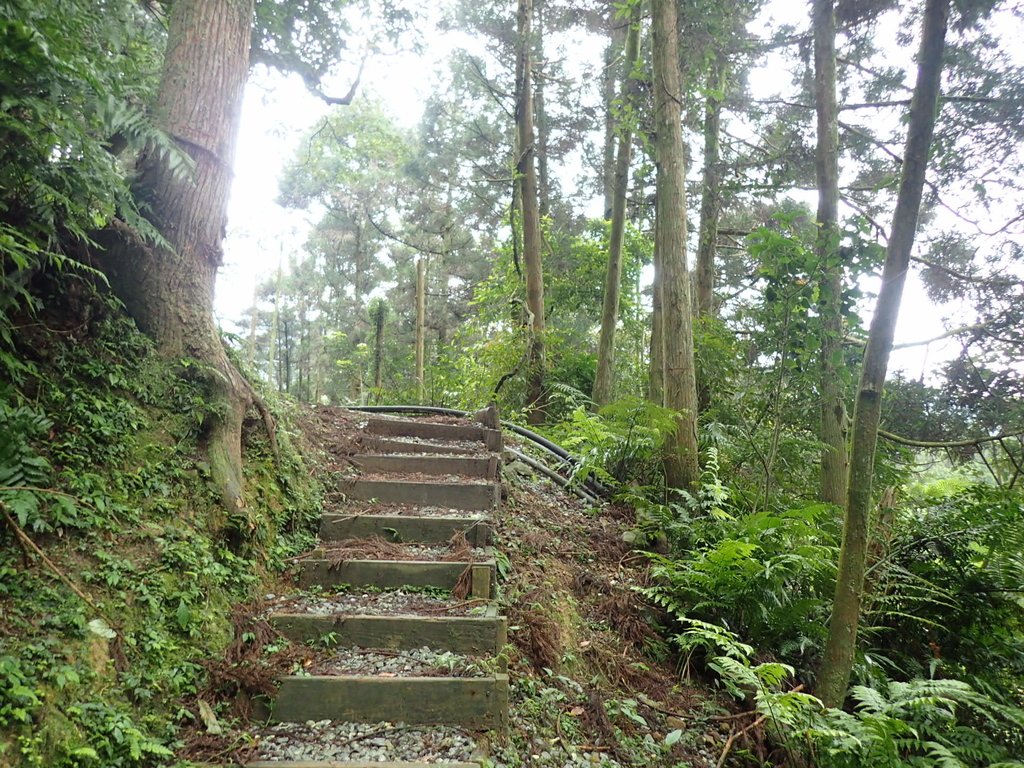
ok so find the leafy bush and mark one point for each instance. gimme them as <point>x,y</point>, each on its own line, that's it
<point>903,725</point>
<point>945,597</point>
<point>767,577</point>
<point>622,443</point>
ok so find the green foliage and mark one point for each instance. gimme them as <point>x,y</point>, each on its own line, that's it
<point>767,577</point>
<point>966,545</point>
<point>898,725</point>
<point>492,345</point>
<point>622,443</point>
<point>22,470</point>
<point>77,78</point>
<point>101,469</point>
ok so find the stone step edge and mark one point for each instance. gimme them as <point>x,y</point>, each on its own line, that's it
<point>410,528</point>
<point>464,496</point>
<point>486,555</point>
<point>485,467</point>
<point>491,438</point>
<point>380,443</point>
<point>468,635</point>
<point>479,703</point>
<point>407,573</point>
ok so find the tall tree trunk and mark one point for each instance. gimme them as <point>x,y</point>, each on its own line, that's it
<point>615,43</point>
<point>273,354</point>
<point>527,175</point>
<point>302,361</point>
<point>604,378</point>
<point>711,194</point>
<point>834,457</point>
<point>840,648</point>
<point>656,375</point>
<point>681,460</point>
<point>318,358</point>
<point>287,356</point>
<point>543,126</point>
<point>710,206</point>
<point>250,349</point>
<point>380,313</point>
<point>421,326</point>
<point>169,291</point>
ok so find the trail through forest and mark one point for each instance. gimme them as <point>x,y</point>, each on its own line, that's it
<point>453,613</point>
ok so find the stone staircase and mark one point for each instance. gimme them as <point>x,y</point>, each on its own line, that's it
<point>422,505</point>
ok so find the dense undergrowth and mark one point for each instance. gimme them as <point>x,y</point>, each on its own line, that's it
<point>747,578</point>
<point>118,567</point>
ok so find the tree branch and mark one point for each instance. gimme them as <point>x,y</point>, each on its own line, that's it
<point>968,443</point>
<point>948,334</point>
<point>397,239</point>
<point>347,98</point>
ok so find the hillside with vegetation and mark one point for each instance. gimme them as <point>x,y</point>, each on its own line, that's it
<point>752,275</point>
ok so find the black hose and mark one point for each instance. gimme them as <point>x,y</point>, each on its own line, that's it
<point>594,486</point>
<point>552,475</point>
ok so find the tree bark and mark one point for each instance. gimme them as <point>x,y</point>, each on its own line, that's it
<point>380,313</point>
<point>834,457</point>
<point>681,460</point>
<point>840,648</point>
<point>604,377</point>
<point>656,376</point>
<point>615,43</point>
<point>710,207</point>
<point>527,176</point>
<point>421,326</point>
<point>542,124</point>
<point>711,194</point>
<point>169,290</point>
<point>273,355</point>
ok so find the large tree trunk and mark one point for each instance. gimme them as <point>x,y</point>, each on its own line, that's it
<point>527,175</point>
<point>711,194</point>
<point>421,326</point>
<point>615,43</point>
<point>710,207</point>
<point>681,460</point>
<point>542,123</point>
<point>656,372</point>
<point>380,314</point>
<point>169,291</point>
<point>837,662</point>
<point>273,354</point>
<point>604,377</point>
<point>834,458</point>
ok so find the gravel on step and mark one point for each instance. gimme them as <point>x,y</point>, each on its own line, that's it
<point>427,442</point>
<point>351,550</point>
<point>417,477</point>
<point>392,603</point>
<point>327,740</point>
<point>418,662</point>
<point>344,506</point>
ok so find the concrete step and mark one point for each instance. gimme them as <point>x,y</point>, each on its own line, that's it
<point>471,496</point>
<point>471,466</point>
<point>470,635</point>
<point>394,574</point>
<point>491,438</point>
<point>477,703</point>
<point>426,529</point>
